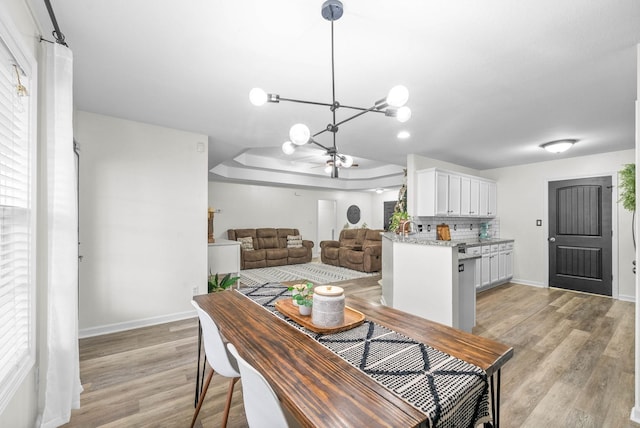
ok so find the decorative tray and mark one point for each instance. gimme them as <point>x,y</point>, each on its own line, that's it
<point>352,318</point>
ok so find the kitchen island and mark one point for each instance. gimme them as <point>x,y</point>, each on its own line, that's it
<point>430,279</point>
<point>436,280</point>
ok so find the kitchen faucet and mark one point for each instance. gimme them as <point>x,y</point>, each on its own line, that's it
<point>406,232</point>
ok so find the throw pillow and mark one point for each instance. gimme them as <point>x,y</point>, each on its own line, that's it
<point>246,243</point>
<point>294,241</point>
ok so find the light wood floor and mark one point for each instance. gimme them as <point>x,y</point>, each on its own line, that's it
<point>573,364</point>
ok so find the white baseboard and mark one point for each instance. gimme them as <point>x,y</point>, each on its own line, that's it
<point>626,298</point>
<point>129,325</point>
<point>635,414</point>
<point>527,282</point>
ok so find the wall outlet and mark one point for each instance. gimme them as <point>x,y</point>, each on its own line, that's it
<point>538,222</point>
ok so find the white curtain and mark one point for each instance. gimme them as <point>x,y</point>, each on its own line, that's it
<point>61,357</point>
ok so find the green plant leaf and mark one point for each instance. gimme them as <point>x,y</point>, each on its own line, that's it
<point>216,284</point>
<point>627,186</point>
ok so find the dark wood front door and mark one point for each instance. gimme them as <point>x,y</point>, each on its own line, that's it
<point>580,235</point>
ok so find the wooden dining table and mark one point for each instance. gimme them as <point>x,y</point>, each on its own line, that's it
<point>320,388</point>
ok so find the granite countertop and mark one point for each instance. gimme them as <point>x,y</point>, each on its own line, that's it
<point>490,241</point>
<point>467,256</point>
<point>417,239</point>
<point>420,239</point>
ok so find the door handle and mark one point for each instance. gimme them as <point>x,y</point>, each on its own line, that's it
<point>552,239</point>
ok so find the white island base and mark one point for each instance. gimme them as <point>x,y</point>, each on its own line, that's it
<point>424,280</point>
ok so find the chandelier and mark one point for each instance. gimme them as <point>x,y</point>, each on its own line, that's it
<point>393,105</point>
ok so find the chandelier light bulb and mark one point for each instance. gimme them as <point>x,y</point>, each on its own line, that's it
<point>299,134</point>
<point>257,97</point>
<point>288,147</point>
<point>347,161</point>
<point>328,168</point>
<point>404,114</point>
<point>398,96</point>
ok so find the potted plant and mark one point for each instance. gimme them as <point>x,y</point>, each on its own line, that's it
<point>302,296</point>
<point>216,284</point>
<point>397,219</point>
<point>400,214</point>
<point>628,193</point>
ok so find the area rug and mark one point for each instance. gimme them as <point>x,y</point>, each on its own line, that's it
<point>318,273</point>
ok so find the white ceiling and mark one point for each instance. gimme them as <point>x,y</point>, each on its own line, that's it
<point>489,80</point>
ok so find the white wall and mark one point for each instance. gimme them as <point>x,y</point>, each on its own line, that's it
<point>143,222</point>
<point>23,408</point>
<point>635,411</point>
<point>252,206</point>
<point>521,200</point>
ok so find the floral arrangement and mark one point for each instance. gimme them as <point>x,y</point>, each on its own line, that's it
<point>302,294</point>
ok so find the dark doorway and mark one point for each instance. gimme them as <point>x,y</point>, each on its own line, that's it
<point>387,213</point>
<point>580,235</point>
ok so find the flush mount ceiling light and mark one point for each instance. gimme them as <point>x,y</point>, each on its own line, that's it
<point>558,146</point>
<point>393,105</point>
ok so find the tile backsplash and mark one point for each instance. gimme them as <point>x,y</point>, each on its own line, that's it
<point>461,228</point>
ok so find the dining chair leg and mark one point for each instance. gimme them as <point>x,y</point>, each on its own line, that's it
<point>201,398</point>
<point>227,406</point>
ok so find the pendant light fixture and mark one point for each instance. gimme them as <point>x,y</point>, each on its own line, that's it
<point>393,105</point>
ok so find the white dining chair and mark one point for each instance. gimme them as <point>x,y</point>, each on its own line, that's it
<point>219,359</point>
<point>261,405</point>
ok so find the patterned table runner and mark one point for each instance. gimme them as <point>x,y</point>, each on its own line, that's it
<point>451,392</point>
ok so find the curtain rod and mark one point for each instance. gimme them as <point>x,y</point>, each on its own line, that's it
<point>56,32</point>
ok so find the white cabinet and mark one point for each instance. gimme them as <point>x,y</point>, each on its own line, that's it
<point>505,265</point>
<point>438,193</point>
<point>496,264</point>
<point>474,197</point>
<point>508,261</point>
<point>455,183</point>
<point>486,266</point>
<point>488,199</point>
<point>444,193</point>
<point>493,200</point>
<point>224,257</point>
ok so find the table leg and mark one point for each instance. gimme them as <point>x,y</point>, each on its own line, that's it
<point>498,400</point>
<point>495,399</point>
<point>198,388</point>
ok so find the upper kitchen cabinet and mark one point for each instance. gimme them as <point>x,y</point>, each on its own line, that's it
<point>445,193</point>
<point>488,199</point>
<point>438,193</point>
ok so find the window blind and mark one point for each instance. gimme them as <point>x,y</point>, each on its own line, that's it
<point>17,330</point>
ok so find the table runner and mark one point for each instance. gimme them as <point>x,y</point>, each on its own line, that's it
<point>451,392</point>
